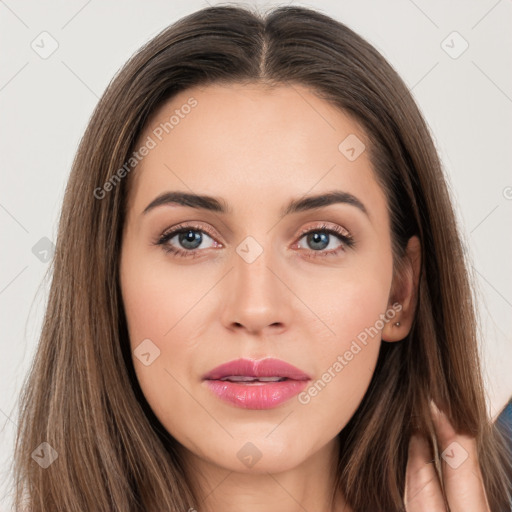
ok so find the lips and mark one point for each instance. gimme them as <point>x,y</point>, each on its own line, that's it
<point>250,384</point>
<point>268,368</point>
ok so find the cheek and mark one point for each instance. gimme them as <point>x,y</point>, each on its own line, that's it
<point>348,300</point>
<point>156,298</point>
<point>354,309</point>
<point>167,312</point>
<point>345,367</point>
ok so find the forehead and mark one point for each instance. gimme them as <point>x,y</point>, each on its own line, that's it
<point>252,145</point>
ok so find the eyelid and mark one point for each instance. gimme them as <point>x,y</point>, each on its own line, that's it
<point>346,239</point>
<point>192,225</point>
<point>326,226</point>
<point>213,233</point>
<point>340,232</point>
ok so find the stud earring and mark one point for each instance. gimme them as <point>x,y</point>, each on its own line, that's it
<point>397,324</point>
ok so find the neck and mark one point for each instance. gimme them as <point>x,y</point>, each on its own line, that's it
<point>309,486</point>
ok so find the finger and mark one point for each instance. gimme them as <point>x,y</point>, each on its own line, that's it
<point>462,477</point>
<point>422,490</point>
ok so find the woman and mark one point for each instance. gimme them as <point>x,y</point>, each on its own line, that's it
<point>259,298</point>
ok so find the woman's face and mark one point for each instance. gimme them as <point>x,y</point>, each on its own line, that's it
<point>247,283</point>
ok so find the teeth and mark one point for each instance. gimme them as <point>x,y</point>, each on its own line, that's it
<point>239,378</point>
<point>243,378</point>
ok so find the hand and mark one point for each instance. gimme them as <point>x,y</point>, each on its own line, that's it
<point>462,477</point>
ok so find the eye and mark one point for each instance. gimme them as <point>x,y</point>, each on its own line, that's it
<point>185,240</point>
<point>188,239</point>
<point>321,238</point>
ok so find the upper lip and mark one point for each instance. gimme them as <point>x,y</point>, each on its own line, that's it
<point>268,367</point>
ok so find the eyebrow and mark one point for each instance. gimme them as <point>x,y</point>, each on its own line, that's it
<point>219,205</point>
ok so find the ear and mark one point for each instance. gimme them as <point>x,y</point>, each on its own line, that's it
<point>404,291</point>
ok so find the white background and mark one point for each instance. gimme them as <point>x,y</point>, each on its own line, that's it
<point>46,103</point>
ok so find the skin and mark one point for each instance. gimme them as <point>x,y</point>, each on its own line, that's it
<point>257,149</point>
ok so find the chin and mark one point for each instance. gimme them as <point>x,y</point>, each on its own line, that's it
<point>257,454</point>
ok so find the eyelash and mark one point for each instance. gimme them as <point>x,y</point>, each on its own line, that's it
<point>347,240</point>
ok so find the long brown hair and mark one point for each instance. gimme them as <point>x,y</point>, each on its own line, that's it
<point>82,396</point>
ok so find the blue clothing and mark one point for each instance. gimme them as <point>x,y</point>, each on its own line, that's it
<point>505,418</point>
<point>507,413</point>
<point>505,423</point>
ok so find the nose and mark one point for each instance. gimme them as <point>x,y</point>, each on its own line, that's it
<point>258,298</point>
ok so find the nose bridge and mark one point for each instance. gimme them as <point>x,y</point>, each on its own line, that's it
<point>254,280</point>
<point>257,296</point>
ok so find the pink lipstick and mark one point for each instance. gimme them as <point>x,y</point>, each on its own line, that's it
<point>250,384</point>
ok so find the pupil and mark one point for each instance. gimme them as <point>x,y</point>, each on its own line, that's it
<point>190,237</point>
<point>319,238</point>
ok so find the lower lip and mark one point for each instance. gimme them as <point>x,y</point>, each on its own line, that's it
<point>264,395</point>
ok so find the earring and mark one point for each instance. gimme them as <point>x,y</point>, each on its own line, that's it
<point>397,324</point>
